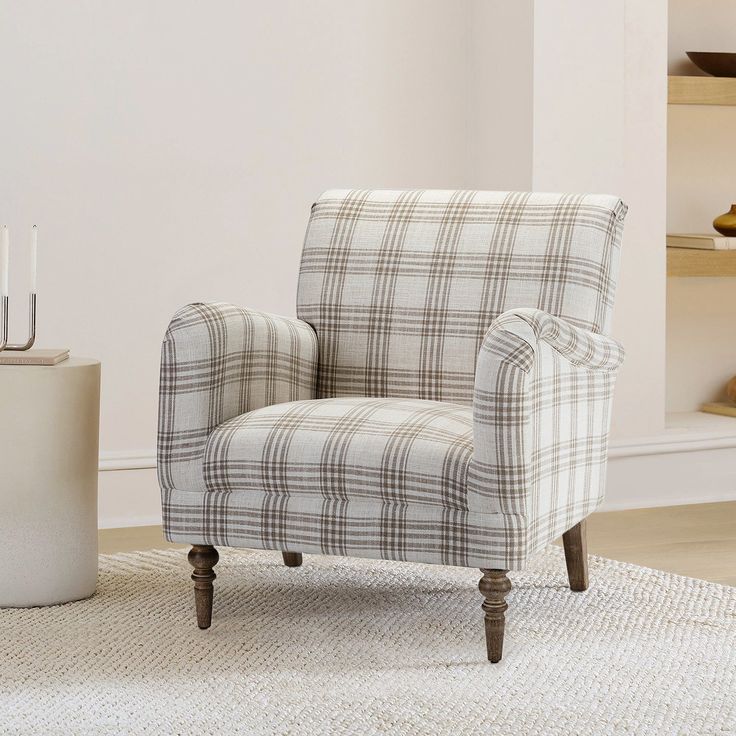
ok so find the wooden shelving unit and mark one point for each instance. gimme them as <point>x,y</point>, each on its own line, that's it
<point>701,91</point>
<point>692,262</point>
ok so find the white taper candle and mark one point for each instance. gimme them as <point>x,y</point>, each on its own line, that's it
<point>4,257</point>
<point>34,257</point>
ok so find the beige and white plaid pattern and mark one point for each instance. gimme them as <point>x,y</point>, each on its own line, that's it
<point>356,528</point>
<point>219,361</point>
<point>464,388</point>
<point>393,450</point>
<point>541,416</point>
<point>401,287</point>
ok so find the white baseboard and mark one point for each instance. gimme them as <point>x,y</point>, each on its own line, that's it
<point>671,478</point>
<point>671,469</point>
<point>132,520</point>
<point>692,461</point>
<point>127,460</point>
<point>668,444</point>
<point>128,496</point>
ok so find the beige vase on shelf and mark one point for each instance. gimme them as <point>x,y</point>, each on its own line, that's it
<point>731,389</point>
<point>726,223</point>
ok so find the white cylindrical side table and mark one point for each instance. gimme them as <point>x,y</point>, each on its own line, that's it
<point>49,438</point>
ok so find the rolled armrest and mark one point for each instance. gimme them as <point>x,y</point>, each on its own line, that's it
<point>218,361</point>
<point>541,416</point>
<point>578,346</point>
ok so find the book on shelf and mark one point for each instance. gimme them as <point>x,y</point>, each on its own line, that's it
<point>701,242</point>
<point>725,409</point>
<point>49,356</point>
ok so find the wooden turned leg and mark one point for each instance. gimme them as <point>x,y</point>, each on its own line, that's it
<point>494,587</point>
<point>203,557</point>
<point>292,559</point>
<point>576,556</point>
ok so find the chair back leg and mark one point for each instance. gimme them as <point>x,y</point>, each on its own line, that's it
<point>292,559</point>
<point>576,556</point>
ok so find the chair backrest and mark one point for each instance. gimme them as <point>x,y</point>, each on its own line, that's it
<point>401,286</point>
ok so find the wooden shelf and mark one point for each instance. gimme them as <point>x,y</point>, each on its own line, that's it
<point>692,262</point>
<point>701,90</point>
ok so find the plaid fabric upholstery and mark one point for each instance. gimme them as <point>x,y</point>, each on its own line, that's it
<point>456,411</point>
<point>393,450</point>
<point>541,416</point>
<point>401,287</point>
<point>218,361</point>
<point>356,528</point>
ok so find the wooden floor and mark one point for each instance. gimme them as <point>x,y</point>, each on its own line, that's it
<point>698,541</point>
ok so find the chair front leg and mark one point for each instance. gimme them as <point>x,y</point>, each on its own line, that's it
<point>203,558</point>
<point>575,542</point>
<point>494,587</point>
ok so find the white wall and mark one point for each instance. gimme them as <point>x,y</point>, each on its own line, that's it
<point>640,314</point>
<point>701,351</point>
<point>579,96</point>
<point>169,152</point>
<point>599,124</point>
<point>500,116</point>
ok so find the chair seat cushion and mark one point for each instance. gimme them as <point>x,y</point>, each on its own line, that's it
<point>393,450</point>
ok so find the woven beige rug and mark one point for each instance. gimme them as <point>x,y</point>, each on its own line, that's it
<point>344,646</point>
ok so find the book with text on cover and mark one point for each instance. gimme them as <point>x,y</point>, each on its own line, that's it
<point>49,356</point>
<point>701,242</point>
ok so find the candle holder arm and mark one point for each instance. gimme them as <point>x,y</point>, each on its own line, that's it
<point>28,344</point>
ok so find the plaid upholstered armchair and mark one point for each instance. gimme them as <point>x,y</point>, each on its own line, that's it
<point>443,397</point>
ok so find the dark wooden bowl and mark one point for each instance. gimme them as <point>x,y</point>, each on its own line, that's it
<point>714,62</point>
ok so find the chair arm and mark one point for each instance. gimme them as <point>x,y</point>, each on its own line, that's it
<point>218,361</point>
<point>541,416</point>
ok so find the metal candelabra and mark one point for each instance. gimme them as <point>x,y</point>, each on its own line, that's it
<point>28,344</point>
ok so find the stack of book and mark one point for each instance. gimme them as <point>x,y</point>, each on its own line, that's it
<point>726,409</point>
<point>701,242</point>
<point>50,356</point>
